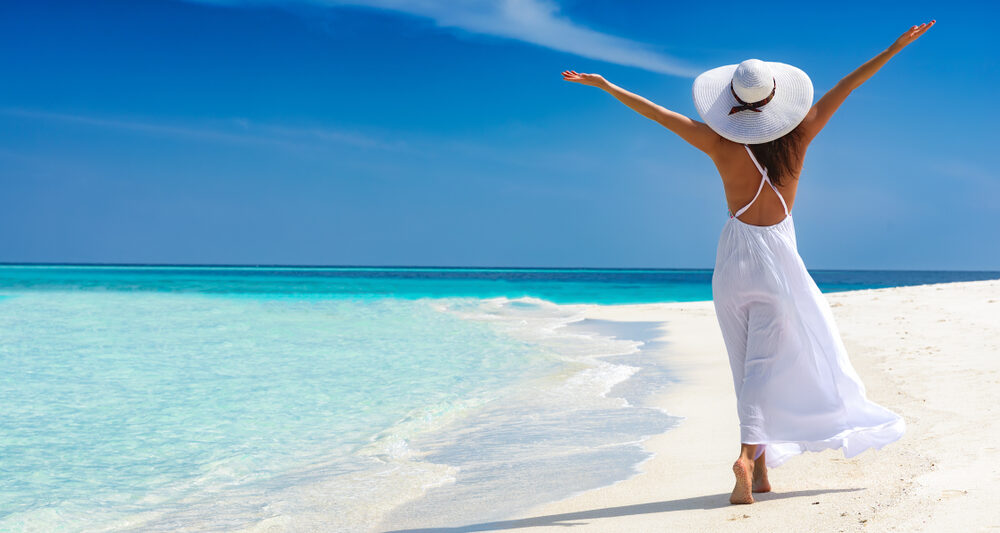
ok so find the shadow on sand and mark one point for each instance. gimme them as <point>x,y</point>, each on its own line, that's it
<point>713,501</point>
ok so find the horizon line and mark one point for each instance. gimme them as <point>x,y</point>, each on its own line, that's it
<point>431,267</point>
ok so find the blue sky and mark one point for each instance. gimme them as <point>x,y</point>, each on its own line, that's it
<point>426,132</point>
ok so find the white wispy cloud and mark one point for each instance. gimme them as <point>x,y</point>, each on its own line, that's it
<point>236,130</point>
<point>537,22</point>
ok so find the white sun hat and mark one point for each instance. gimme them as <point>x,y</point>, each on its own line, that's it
<point>753,102</point>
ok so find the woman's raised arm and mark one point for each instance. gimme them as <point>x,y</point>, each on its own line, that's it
<point>697,133</point>
<point>821,112</point>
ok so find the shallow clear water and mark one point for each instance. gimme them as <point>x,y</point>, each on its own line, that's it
<point>123,400</point>
<point>166,398</point>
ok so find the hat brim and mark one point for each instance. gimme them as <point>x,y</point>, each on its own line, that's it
<point>792,100</point>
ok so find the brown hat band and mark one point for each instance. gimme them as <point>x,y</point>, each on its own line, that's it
<point>751,106</point>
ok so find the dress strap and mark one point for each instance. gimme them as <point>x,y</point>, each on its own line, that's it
<point>763,173</point>
<point>759,188</point>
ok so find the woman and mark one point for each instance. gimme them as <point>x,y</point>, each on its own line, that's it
<point>796,390</point>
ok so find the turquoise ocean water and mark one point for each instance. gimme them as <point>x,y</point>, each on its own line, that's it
<point>223,398</point>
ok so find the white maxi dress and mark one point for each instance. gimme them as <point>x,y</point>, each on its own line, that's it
<point>796,390</point>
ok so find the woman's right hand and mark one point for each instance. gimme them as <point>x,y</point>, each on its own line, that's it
<point>911,35</point>
<point>594,80</point>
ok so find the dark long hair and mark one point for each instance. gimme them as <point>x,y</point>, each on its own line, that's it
<point>780,156</point>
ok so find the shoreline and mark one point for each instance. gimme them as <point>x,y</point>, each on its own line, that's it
<point>927,352</point>
<point>507,462</point>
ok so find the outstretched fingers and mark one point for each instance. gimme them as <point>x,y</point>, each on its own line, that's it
<point>913,33</point>
<point>585,79</point>
<point>917,31</point>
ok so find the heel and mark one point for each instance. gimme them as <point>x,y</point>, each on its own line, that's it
<point>742,491</point>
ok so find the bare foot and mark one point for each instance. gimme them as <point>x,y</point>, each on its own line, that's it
<point>743,469</point>
<point>760,482</point>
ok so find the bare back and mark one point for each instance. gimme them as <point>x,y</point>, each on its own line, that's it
<point>741,180</point>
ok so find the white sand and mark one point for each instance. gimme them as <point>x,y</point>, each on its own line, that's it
<point>930,353</point>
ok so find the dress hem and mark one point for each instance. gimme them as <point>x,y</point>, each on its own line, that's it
<point>852,441</point>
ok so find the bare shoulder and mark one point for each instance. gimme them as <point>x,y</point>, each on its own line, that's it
<point>716,145</point>
<point>736,166</point>
<point>727,152</point>
<point>732,161</point>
